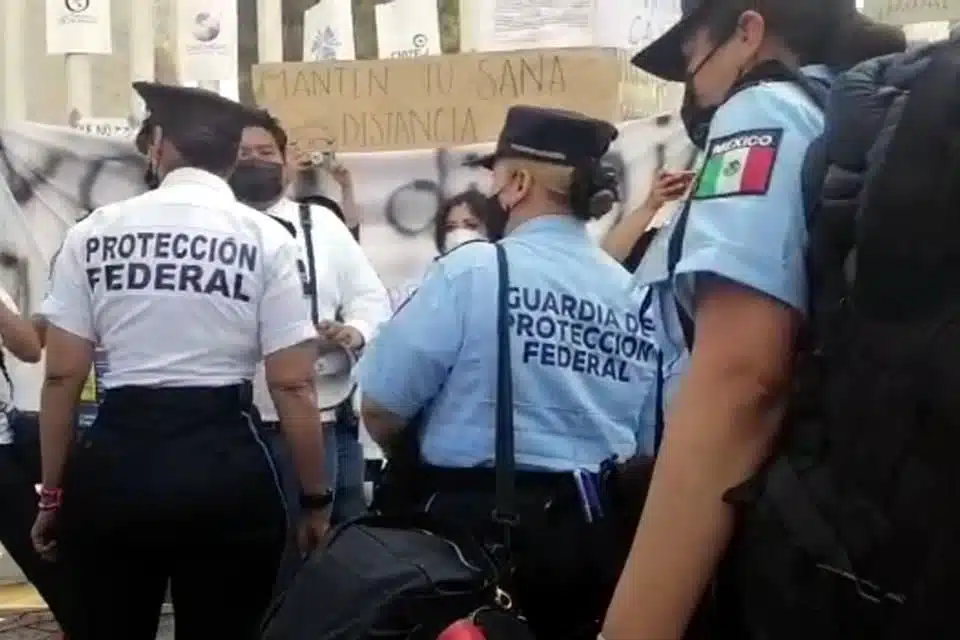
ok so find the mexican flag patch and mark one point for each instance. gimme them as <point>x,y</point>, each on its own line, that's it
<point>739,165</point>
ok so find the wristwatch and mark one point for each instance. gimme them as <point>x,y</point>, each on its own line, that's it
<point>316,501</point>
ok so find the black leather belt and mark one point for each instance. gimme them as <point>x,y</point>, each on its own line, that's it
<point>274,425</point>
<point>560,483</point>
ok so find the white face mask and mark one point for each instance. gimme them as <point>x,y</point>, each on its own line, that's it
<point>459,236</point>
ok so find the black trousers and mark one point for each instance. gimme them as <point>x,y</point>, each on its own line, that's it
<point>565,568</point>
<point>173,485</point>
<point>18,510</point>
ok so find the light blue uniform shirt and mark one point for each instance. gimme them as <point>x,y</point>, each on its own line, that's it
<point>584,362</point>
<point>746,221</point>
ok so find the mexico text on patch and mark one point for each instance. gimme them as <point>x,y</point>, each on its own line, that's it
<point>740,164</point>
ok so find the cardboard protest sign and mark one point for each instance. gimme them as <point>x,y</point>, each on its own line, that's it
<point>433,101</point>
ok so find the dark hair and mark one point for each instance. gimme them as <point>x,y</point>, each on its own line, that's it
<point>475,201</point>
<point>829,32</point>
<point>212,146</point>
<point>262,118</point>
<point>594,190</point>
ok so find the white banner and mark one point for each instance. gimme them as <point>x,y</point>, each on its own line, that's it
<point>206,40</point>
<point>121,128</point>
<point>328,31</point>
<point>78,26</point>
<point>408,28</point>
<point>50,176</point>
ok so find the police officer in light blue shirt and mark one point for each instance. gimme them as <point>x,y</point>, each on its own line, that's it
<point>583,358</point>
<point>731,277</point>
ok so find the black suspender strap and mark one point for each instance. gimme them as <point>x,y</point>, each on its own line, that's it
<point>505,509</point>
<point>658,391</point>
<point>674,251</point>
<point>306,223</point>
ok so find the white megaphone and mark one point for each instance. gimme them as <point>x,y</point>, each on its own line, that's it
<point>333,375</point>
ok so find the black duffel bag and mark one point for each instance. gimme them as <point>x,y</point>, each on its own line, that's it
<point>385,577</point>
<point>407,575</point>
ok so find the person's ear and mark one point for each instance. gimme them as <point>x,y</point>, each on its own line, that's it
<point>155,149</point>
<point>522,182</point>
<point>751,31</point>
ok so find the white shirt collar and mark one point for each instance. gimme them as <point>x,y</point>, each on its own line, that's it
<point>279,207</point>
<point>197,177</point>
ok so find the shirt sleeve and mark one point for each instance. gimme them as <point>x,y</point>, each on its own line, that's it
<point>746,221</point>
<point>69,301</point>
<point>365,304</point>
<point>284,309</point>
<point>407,363</point>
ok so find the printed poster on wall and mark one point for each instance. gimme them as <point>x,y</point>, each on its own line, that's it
<point>633,24</point>
<point>408,29</point>
<point>508,25</point>
<point>328,31</point>
<point>902,12</point>
<point>206,40</point>
<point>78,26</point>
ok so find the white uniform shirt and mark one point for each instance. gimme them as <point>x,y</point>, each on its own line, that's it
<point>181,286</point>
<point>6,393</point>
<point>346,281</point>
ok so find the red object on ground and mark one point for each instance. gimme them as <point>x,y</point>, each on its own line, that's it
<point>463,629</point>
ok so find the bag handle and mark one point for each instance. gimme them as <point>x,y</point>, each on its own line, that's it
<point>505,511</point>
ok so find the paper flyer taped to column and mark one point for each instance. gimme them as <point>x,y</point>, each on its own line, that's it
<point>902,12</point>
<point>506,25</point>
<point>467,20</point>
<point>78,26</point>
<point>328,31</point>
<point>206,40</point>
<point>408,29</point>
<point>633,24</point>
<point>927,31</point>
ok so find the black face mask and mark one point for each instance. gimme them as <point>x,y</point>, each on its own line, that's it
<point>696,119</point>
<point>150,178</point>
<point>257,182</point>
<point>497,216</point>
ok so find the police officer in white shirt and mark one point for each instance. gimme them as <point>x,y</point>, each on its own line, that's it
<point>185,290</point>
<point>350,302</point>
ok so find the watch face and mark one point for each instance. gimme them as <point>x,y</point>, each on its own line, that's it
<point>76,6</point>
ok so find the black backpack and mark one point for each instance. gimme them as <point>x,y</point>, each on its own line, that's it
<point>852,530</point>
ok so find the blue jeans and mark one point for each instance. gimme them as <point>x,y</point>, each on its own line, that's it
<point>345,463</point>
<point>344,460</point>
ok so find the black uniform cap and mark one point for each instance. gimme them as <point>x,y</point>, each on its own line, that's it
<point>664,56</point>
<point>555,136</point>
<point>187,113</point>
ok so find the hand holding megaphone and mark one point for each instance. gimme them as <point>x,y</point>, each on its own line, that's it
<point>337,333</point>
<point>336,357</point>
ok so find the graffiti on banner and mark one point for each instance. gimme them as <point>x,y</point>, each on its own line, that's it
<point>51,176</point>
